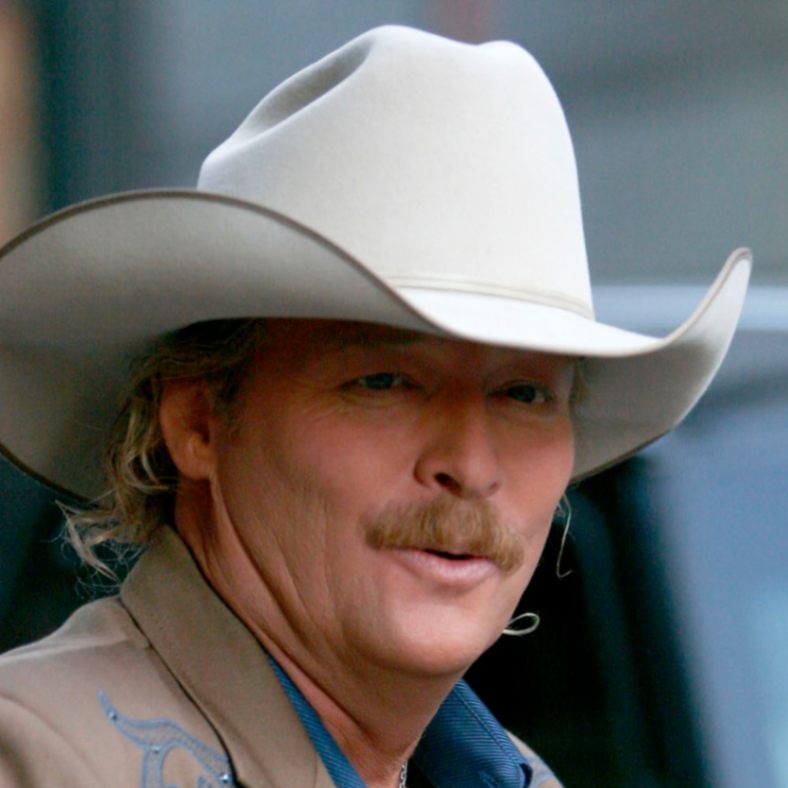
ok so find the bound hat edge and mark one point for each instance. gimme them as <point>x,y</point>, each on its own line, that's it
<point>411,315</point>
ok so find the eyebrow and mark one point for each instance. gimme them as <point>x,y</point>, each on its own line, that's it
<point>385,337</point>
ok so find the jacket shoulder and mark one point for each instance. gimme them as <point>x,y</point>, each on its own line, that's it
<point>542,776</point>
<point>88,705</point>
<point>94,625</point>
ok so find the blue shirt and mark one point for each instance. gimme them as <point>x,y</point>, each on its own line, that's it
<point>464,746</point>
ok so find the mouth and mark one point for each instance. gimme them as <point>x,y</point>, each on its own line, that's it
<point>450,556</point>
<point>446,568</point>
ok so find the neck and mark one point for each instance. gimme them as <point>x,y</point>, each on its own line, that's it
<point>375,713</point>
<point>375,718</point>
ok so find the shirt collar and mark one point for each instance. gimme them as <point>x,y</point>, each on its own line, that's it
<point>464,746</point>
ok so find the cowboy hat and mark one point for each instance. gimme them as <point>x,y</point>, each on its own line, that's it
<point>404,179</point>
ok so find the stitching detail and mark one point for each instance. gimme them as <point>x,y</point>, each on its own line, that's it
<point>157,738</point>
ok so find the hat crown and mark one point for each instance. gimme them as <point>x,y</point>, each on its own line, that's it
<point>436,164</point>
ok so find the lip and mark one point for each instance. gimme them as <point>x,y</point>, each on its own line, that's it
<point>458,572</point>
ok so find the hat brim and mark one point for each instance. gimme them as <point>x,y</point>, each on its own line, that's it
<point>87,289</point>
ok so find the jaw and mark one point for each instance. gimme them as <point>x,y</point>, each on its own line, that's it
<point>426,614</point>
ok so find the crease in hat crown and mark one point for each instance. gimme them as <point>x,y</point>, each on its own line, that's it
<point>438,165</point>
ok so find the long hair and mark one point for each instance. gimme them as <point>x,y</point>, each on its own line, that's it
<point>141,478</point>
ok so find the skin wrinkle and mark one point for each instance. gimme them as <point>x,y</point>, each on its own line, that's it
<point>303,609</point>
<point>267,634</point>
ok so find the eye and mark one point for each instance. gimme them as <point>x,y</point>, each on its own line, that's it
<point>382,381</point>
<point>527,393</point>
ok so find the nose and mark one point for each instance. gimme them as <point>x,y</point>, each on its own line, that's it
<point>460,456</point>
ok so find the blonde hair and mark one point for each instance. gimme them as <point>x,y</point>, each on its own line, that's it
<point>142,479</point>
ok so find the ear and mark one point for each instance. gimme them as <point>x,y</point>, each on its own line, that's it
<point>188,424</point>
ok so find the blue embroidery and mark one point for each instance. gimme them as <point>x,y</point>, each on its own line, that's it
<point>158,738</point>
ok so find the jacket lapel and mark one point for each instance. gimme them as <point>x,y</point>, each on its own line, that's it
<point>222,667</point>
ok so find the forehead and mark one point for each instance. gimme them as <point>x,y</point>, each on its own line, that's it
<point>300,341</point>
<point>331,335</point>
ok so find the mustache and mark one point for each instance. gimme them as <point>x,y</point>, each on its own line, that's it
<point>448,525</point>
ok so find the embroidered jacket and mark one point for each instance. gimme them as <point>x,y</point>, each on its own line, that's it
<point>161,687</point>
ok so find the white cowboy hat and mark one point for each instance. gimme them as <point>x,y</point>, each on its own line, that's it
<point>404,179</point>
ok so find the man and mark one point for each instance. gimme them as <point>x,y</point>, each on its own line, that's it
<point>367,369</point>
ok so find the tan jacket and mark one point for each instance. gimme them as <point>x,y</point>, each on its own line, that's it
<point>161,687</point>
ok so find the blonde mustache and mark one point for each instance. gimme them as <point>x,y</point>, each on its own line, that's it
<point>447,525</point>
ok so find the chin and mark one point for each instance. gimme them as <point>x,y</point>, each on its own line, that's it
<point>443,647</point>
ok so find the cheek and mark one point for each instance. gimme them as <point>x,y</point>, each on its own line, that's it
<point>537,479</point>
<point>311,471</point>
<point>353,460</point>
<point>258,476</point>
<point>559,462</point>
<point>540,465</point>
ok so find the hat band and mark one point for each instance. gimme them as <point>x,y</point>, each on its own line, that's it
<point>542,297</point>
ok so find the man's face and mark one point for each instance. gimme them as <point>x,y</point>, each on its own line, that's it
<point>346,431</point>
